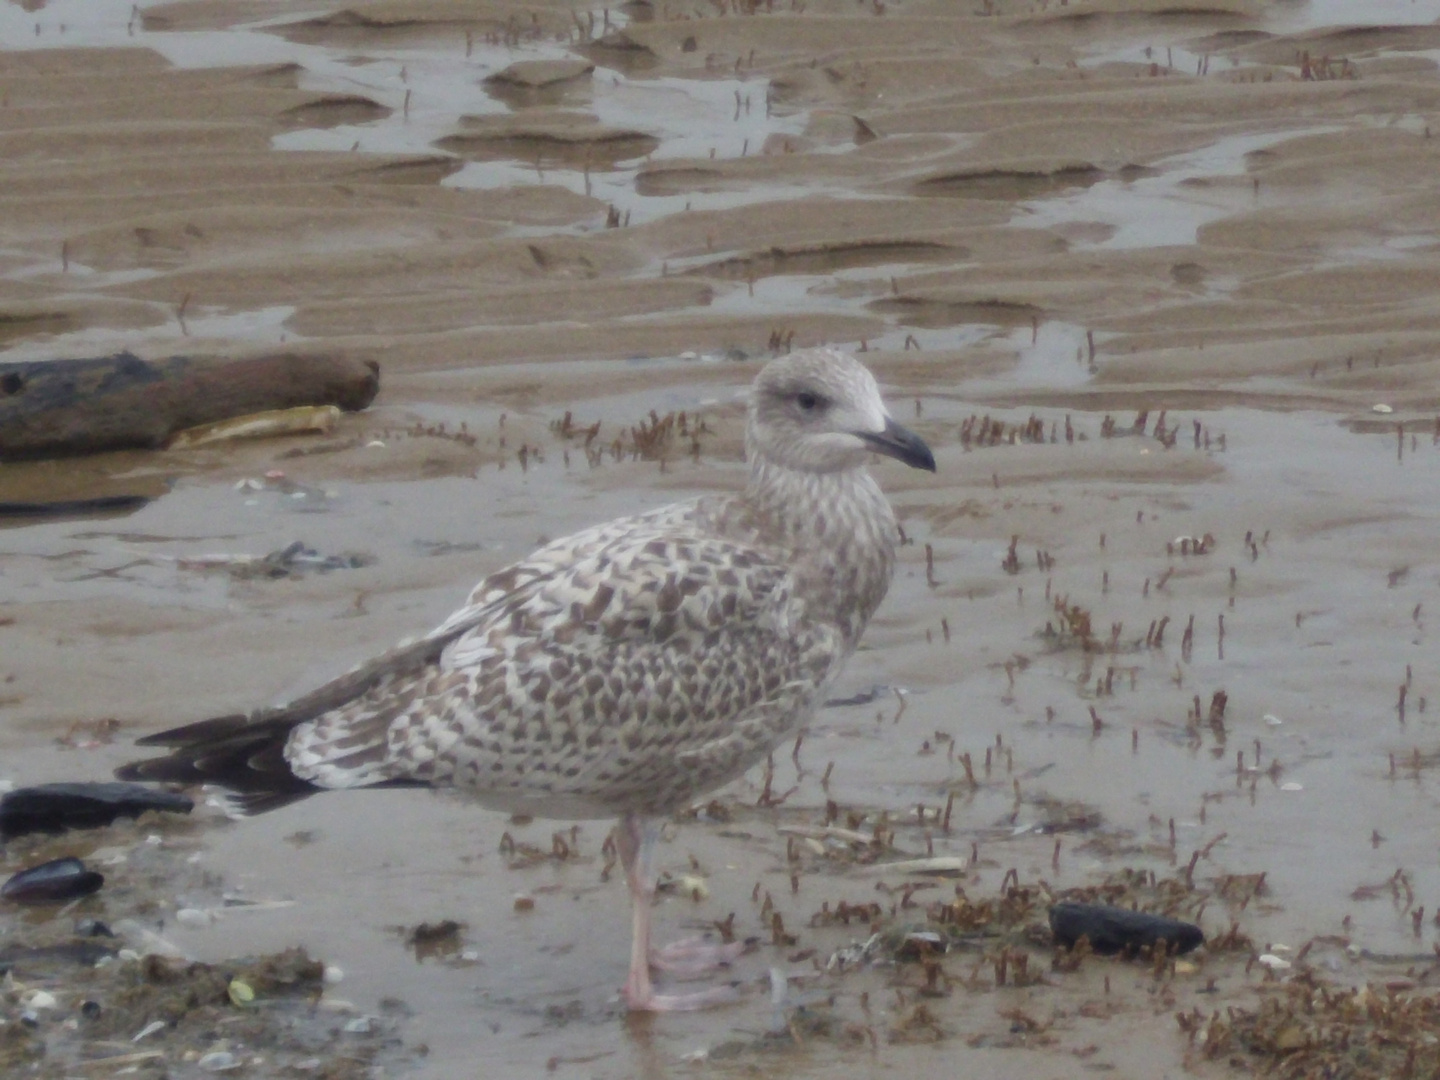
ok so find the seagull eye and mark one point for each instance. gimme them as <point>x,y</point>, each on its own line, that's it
<point>807,401</point>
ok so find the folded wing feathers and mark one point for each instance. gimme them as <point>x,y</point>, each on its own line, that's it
<point>246,753</point>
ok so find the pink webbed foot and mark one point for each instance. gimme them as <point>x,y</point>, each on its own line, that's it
<point>693,958</point>
<point>647,1000</point>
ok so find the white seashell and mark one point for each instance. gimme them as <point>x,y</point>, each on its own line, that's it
<point>1273,720</point>
<point>1274,963</point>
<point>939,865</point>
<point>38,999</point>
<point>1382,409</point>
<point>1291,785</point>
<point>333,974</point>
<point>148,1030</point>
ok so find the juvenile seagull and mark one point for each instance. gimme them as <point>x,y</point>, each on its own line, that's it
<point>622,671</point>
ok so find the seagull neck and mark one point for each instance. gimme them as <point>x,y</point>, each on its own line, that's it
<point>798,501</point>
<point>839,529</point>
<point>840,534</point>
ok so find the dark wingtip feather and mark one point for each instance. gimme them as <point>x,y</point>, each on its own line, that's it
<point>247,753</point>
<point>194,734</point>
<point>234,752</point>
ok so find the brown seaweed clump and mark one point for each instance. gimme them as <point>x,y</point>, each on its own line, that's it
<point>1308,1026</point>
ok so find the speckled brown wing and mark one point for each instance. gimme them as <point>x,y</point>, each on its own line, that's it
<point>624,668</point>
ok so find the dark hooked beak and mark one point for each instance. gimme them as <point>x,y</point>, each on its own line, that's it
<point>901,444</point>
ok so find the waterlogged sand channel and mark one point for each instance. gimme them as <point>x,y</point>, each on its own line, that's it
<point>1039,222</point>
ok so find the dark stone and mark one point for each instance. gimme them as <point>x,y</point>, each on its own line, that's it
<point>53,808</point>
<point>1119,930</point>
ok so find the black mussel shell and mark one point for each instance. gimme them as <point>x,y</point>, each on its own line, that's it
<point>52,882</point>
<point>1119,930</point>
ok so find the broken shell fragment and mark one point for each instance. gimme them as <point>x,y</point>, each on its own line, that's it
<point>300,420</point>
<point>939,866</point>
<point>218,1061</point>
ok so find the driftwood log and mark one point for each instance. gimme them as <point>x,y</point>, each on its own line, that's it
<point>55,408</point>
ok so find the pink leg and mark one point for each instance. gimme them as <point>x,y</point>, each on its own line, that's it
<point>636,844</point>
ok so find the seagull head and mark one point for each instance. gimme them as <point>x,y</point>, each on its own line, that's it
<point>820,410</point>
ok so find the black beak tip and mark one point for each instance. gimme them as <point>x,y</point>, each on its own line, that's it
<point>902,444</point>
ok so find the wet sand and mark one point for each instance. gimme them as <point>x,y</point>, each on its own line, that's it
<point>1049,215</point>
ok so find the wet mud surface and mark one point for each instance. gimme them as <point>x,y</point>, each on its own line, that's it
<point>1156,281</point>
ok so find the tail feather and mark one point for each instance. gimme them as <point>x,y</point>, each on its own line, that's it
<point>247,753</point>
<point>231,751</point>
